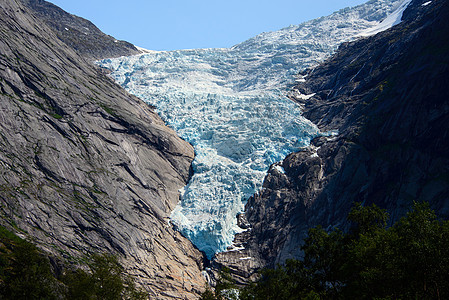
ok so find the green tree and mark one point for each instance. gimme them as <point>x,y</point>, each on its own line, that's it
<point>208,294</point>
<point>25,273</point>
<point>107,276</point>
<point>289,281</point>
<point>324,255</point>
<point>366,219</point>
<point>106,280</point>
<point>409,260</point>
<point>423,242</point>
<point>79,285</point>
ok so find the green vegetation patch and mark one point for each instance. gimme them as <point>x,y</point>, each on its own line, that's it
<point>26,273</point>
<point>409,260</point>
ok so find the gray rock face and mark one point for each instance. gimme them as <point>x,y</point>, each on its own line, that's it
<point>78,33</point>
<point>86,167</point>
<point>387,96</point>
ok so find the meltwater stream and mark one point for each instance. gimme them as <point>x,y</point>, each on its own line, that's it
<point>230,105</point>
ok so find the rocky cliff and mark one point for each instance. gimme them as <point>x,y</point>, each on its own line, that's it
<point>86,167</point>
<point>80,34</point>
<point>387,96</point>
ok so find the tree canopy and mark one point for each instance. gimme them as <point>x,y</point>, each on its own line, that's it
<point>408,260</point>
<point>26,273</point>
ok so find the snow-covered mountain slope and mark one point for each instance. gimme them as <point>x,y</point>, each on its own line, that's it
<point>393,19</point>
<point>230,105</point>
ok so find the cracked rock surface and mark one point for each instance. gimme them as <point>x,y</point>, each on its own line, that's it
<point>86,167</point>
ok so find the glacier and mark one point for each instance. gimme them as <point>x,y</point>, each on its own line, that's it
<point>230,104</point>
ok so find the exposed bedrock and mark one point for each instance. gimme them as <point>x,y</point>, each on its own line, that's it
<point>84,166</point>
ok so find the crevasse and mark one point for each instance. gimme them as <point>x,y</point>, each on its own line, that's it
<point>230,105</point>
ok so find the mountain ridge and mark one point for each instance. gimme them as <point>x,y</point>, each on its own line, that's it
<point>79,33</point>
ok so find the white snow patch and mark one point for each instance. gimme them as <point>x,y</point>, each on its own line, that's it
<point>234,248</point>
<point>246,258</point>
<point>301,78</point>
<point>143,50</point>
<point>182,191</point>
<point>331,134</point>
<point>427,3</point>
<point>306,97</point>
<point>279,168</point>
<point>390,21</point>
<point>297,94</point>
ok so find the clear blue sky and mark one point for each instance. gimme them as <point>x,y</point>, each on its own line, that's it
<point>187,24</point>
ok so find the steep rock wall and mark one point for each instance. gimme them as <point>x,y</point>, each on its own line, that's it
<point>387,97</point>
<point>86,167</point>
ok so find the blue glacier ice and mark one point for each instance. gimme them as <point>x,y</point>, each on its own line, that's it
<point>230,104</point>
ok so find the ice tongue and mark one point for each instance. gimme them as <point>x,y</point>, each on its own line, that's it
<point>230,105</point>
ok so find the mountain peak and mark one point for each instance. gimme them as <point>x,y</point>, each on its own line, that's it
<point>79,33</point>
